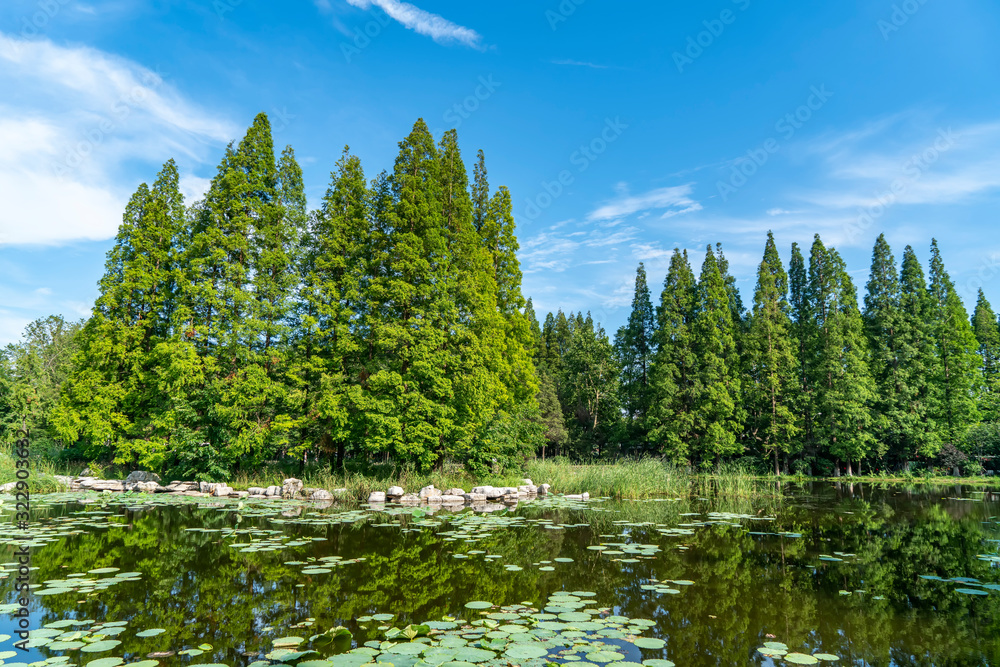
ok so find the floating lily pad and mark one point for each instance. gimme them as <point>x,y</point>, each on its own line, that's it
<point>650,642</point>
<point>478,605</point>
<point>801,659</point>
<point>150,633</point>
<point>105,662</point>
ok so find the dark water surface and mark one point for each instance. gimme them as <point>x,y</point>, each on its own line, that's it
<point>824,570</point>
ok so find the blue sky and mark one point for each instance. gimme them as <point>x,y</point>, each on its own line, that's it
<point>622,129</point>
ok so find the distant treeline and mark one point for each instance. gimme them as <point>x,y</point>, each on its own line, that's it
<point>806,376</point>
<point>389,324</point>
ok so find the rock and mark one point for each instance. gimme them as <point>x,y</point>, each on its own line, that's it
<point>483,490</point>
<point>86,472</point>
<point>452,499</point>
<point>395,492</point>
<point>527,482</point>
<point>376,497</point>
<point>141,476</point>
<point>528,489</point>
<point>148,487</point>
<point>206,487</point>
<point>193,494</point>
<point>455,491</point>
<point>410,499</point>
<point>435,500</point>
<point>222,490</point>
<point>543,489</point>
<point>273,492</point>
<point>320,494</point>
<point>475,497</point>
<point>9,486</point>
<point>429,492</point>
<point>102,485</point>
<point>291,487</point>
<point>257,491</point>
<point>240,494</point>
<point>183,486</point>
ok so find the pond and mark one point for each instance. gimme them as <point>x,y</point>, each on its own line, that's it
<point>825,574</point>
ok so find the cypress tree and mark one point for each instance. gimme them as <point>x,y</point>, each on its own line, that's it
<point>882,325</point>
<point>717,409</point>
<point>802,334</point>
<point>771,362</point>
<point>675,365</point>
<point>839,370</point>
<point>984,324</point>
<point>635,348</point>
<point>957,369</point>
<point>917,359</point>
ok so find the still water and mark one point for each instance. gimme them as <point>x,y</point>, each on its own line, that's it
<point>825,574</point>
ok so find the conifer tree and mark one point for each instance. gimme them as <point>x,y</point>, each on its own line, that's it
<point>882,325</point>
<point>717,410</point>
<point>675,366</point>
<point>635,347</point>
<point>771,362</point>
<point>984,324</point>
<point>592,387</point>
<point>957,369</point>
<point>917,398</point>
<point>802,333</point>
<point>330,300</point>
<point>839,360</point>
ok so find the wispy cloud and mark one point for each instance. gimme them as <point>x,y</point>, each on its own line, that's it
<point>672,200</point>
<point>80,115</point>
<point>578,63</point>
<point>438,28</point>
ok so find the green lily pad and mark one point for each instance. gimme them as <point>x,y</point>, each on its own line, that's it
<point>826,657</point>
<point>105,662</point>
<point>479,604</point>
<point>150,633</point>
<point>526,652</point>
<point>801,659</point>
<point>650,642</point>
<point>604,656</point>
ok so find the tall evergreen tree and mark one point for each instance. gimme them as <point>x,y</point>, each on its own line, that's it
<point>718,414</point>
<point>673,377</point>
<point>592,387</point>
<point>635,348</point>
<point>984,324</point>
<point>839,360</point>
<point>771,363</point>
<point>802,333</point>
<point>957,369</point>
<point>917,398</point>
<point>882,319</point>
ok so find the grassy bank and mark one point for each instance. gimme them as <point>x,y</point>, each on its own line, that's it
<point>628,479</point>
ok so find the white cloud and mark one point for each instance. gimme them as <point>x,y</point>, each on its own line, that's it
<point>578,63</point>
<point>674,200</point>
<point>438,28</point>
<point>79,115</point>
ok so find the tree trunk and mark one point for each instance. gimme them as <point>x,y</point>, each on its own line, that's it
<point>850,470</point>
<point>340,455</point>
<point>836,469</point>
<point>777,471</point>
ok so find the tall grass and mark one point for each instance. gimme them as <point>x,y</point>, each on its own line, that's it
<point>41,473</point>
<point>649,478</point>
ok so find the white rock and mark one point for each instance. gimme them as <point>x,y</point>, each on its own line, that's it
<point>141,476</point>
<point>543,489</point>
<point>395,492</point>
<point>433,499</point>
<point>320,494</point>
<point>475,497</point>
<point>206,487</point>
<point>528,489</point>
<point>376,497</point>
<point>484,490</point>
<point>455,491</point>
<point>257,491</point>
<point>222,490</point>
<point>291,487</point>
<point>240,494</point>
<point>527,482</point>
<point>273,491</point>
<point>148,487</point>
<point>453,499</point>
<point>410,499</point>
<point>429,492</point>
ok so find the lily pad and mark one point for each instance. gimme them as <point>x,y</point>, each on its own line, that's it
<point>801,659</point>
<point>479,604</point>
<point>650,642</point>
<point>150,633</point>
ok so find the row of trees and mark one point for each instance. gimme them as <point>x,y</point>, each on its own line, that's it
<point>246,328</point>
<point>390,323</point>
<point>806,372</point>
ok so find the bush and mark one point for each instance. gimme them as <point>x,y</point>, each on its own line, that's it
<point>951,457</point>
<point>983,439</point>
